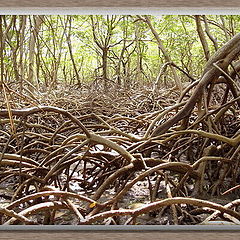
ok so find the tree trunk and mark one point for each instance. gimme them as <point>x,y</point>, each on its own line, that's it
<point>214,40</point>
<point>104,66</point>
<point>1,51</point>
<point>167,57</point>
<point>138,51</point>
<point>34,32</point>
<point>71,54</point>
<point>21,41</point>
<point>202,37</point>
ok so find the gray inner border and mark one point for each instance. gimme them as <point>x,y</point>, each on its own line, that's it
<point>119,11</point>
<point>121,228</point>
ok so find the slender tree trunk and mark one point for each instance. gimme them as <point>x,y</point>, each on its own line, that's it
<point>58,58</point>
<point>224,28</point>
<point>202,37</point>
<point>1,51</point>
<point>71,54</point>
<point>104,66</point>
<point>102,41</point>
<point>167,57</point>
<point>34,32</point>
<point>138,50</point>
<point>214,40</point>
<point>14,50</point>
<point>21,41</point>
<point>118,69</point>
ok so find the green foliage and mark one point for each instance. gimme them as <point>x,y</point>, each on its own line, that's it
<point>129,41</point>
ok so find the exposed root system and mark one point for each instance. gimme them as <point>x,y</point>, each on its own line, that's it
<point>124,157</point>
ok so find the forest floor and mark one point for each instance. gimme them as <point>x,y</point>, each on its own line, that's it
<point>85,156</point>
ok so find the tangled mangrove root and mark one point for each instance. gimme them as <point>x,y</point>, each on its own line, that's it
<point>131,157</point>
